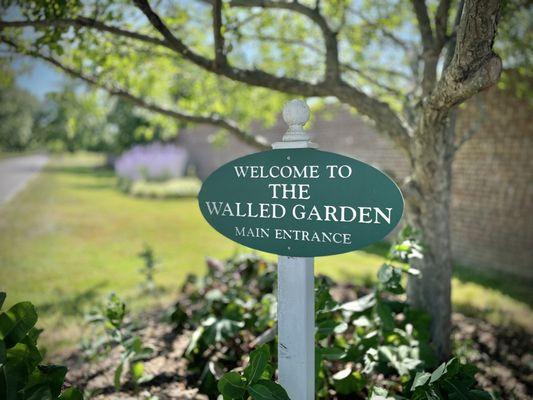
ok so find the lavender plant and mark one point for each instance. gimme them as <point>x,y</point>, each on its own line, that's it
<point>152,162</point>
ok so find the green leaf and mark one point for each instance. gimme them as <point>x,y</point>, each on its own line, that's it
<point>17,322</point>
<point>232,386</point>
<point>429,394</point>
<point>137,371</point>
<point>333,353</point>
<point>437,374</point>
<point>385,315</point>
<point>3,355</point>
<point>361,304</point>
<point>268,390</point>
<point>318,362</point>
<point>34,334</point>
<point>39,392</point>
<point>195,341</point>
<point>51,376</point>
<point>258,361</point>
<point>118,375</point>
<point>421,378</point>
<point>370,360</point>
<point>22,359</point>
<point>378,393</point>
<point>11,380</point>
<point>2,299</point>
<point>115,310</point>
<point>346,381</point>
<point>480,395</point>
<point>24,353</point>
<point>71,394</point>
<point>268,372</point>
<point>456,391</point>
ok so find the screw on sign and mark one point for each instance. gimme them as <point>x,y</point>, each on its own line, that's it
<point>298,202</point>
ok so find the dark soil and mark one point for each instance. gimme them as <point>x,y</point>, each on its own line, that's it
<point>502,354</point>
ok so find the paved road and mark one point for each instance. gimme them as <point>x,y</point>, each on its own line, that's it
<point>16,172</point>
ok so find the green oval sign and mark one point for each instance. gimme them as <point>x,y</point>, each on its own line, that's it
<point>301,202</point>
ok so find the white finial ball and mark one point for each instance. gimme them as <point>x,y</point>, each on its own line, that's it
<point>296,112</point>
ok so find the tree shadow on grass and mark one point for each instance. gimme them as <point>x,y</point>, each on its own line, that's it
<point>102,175</point>
<point>518,288</point>
<point>96,171</point>
<point>73,305</point>
<point>379,249</point>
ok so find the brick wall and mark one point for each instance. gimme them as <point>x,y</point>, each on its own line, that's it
<point>492,195</point>
<point>492,202</point>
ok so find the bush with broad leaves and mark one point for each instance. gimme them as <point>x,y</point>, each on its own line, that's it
<point>22,376</point>
<point>369,342</point>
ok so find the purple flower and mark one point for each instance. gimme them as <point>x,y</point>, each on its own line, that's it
<point>152,162</point>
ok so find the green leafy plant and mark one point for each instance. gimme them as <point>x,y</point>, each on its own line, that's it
<point>377,330</point>
<point>149,268</point>
<point>368,341</point>
<point>225,309</point>
<point>255,381</point>
<point>451,380</point>
<point>118,333</point>
<point>22,376</point>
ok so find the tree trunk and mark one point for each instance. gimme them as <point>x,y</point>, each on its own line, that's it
<point>429,212</point>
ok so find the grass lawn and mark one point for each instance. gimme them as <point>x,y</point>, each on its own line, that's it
<point>71,237</point>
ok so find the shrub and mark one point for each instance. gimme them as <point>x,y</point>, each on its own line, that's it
<point>22,376</point>
<point>152,162</point>
<point>368,347</point>
<point>174,188</point>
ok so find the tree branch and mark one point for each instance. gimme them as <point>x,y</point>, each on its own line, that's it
<point>346,67</point>
<point>251,77</point>
<point>284,40</point>
<point>217,121</point>
<point>441,22</point>
<point>386,33</point>
<point>384,117</point>
<point>372,80</point>
<point>330,36</point>
<point>85,23</point>
<point>450,50</point>
<point>220,56</point>
<point>424,24</point>
<point>429,55</point>
<point>474,65</point>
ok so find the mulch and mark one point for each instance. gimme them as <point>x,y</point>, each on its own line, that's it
<point>503,355</point>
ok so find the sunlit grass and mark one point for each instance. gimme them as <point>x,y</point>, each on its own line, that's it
<point>71,237</point>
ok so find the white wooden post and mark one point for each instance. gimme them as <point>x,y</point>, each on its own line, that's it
<point>296,297</point>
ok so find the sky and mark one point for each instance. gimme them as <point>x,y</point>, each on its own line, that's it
<point>38,78</point>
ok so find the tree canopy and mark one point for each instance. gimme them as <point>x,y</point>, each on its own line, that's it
<point>218,61</point>
<point>18,112</point>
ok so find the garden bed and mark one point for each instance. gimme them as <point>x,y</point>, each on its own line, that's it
<point>503,356</point>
